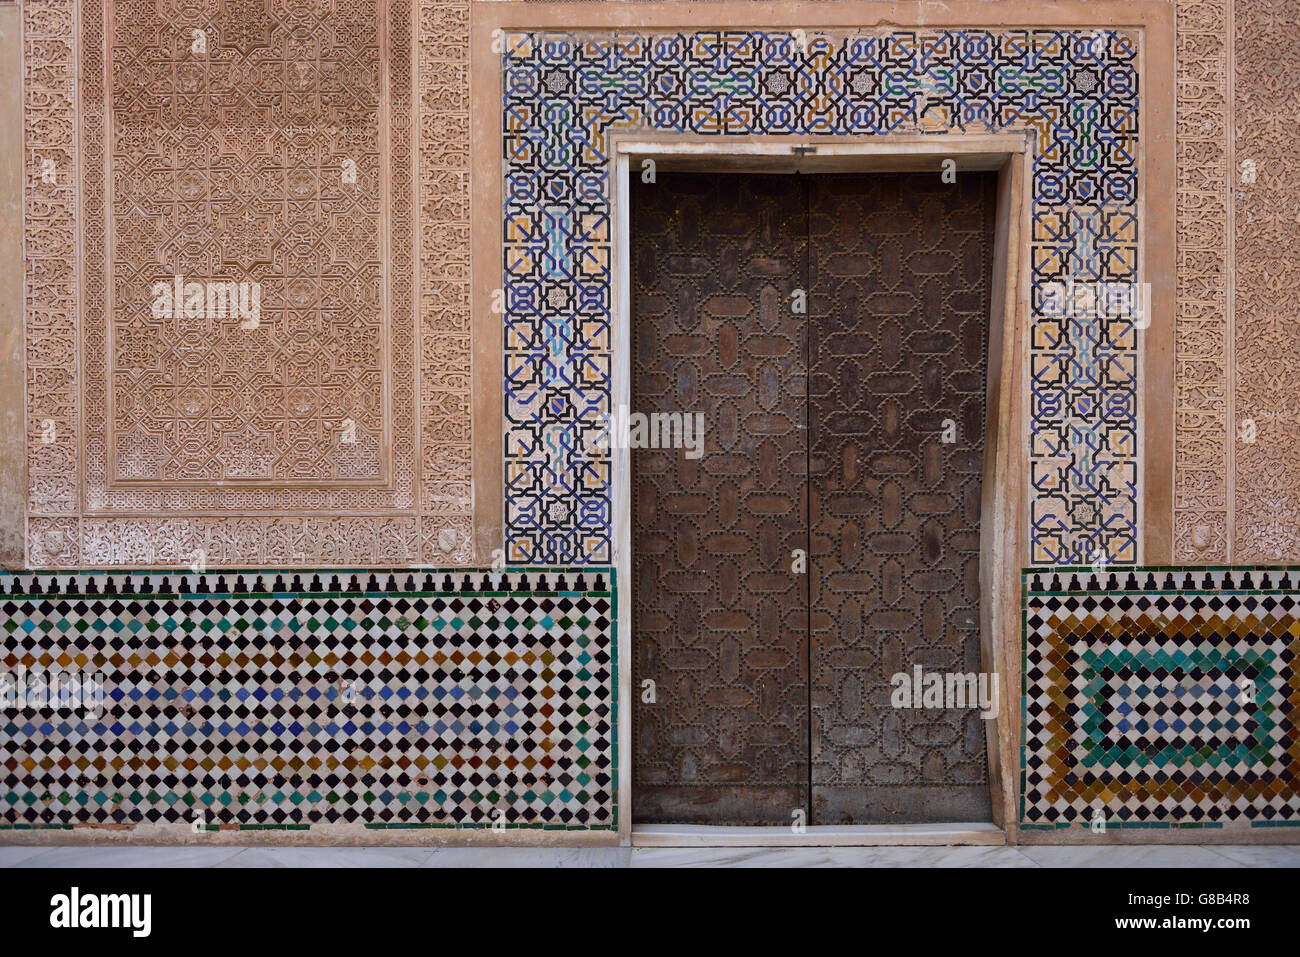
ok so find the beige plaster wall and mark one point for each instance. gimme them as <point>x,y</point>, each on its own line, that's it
<point>337,429</point>
<point>1236,442</point>
<point>12,444</point>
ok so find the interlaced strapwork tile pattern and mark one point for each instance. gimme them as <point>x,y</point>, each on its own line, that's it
<point>566,93</point>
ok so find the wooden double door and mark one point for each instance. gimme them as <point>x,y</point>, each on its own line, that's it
<point>832,330</point>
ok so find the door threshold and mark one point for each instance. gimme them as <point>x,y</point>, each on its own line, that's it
<point>856,835</point>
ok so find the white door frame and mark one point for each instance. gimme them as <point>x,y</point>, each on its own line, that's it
<point>1003,511</point>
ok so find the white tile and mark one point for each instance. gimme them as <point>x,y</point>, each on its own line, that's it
<point>20,856</point>
<point>829,857</point>
<point>1261,855</point>
<point>944,857</point>
<point>528,857</point>
<point>183,856</point>
<point>714,856</point>
<point>328,857</point>
<point>962,857</point>
<point>1140,855</point>
<point>1127,855</point>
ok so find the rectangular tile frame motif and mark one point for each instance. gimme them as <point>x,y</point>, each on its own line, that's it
<point>422,509</point>
<point>564,93</point>
<point>389,699</point>
<point>1161,697</point>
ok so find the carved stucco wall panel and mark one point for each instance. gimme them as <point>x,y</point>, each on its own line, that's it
<point>1201,416</point>
<point>49,215</point>
<point>1266,349</point>
<point>224,161</point>
<point>446,495</point>
<point>258,160</point>
<point>1237,497</point>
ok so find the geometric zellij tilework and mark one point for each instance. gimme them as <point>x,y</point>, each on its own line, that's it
<point>1164,697</point>
<point>1075,92</point>
<point>411,698</point>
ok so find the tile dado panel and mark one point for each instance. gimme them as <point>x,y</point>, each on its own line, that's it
<point>313,153</point>
<point>564,94</point>
<point>1161,697</point>
<point>403,698</point>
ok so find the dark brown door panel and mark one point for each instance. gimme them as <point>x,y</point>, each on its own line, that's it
<point>824,434</point>
<point>720,620</point>
<point>900,265</point>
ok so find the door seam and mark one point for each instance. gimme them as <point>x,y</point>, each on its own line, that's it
<point>807,469</point>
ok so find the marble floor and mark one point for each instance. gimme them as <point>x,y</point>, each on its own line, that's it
<point>193,856</point>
